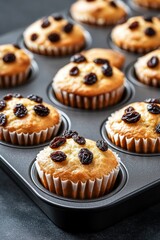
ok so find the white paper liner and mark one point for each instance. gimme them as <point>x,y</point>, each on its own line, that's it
<point>96,102</point>
<point>138,145</point>
<point>27,138</point>
<point>55,51</point>
<point>152,4</point>
<point>14,80</point>
<point>80,190</point>
<point>147,80</point>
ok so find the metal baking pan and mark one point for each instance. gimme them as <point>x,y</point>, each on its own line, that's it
<point>138,183</point>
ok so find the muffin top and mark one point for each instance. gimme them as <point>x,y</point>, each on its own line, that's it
<point>54,31</point>
<point>13,60</point>
<point>26,115</point>
<point>148,65</point>
<point>137,120</point>
<point>107,10</point>
<point>138,32</point>
<point>76,158</point>
<point>115,58</point>
<point>86,78</point>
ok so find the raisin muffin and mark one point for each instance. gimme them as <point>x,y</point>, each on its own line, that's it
<point>147,68</point>
<point>138,34</point>
<point>148,3</point>
<point>75,167</point>
<point>15,64</point>
<point>88,85</point>
<point>27,121</point>
<point>115,58</point>
<point>136,127</point>
<point>98,12</point>
<point>54,35</point>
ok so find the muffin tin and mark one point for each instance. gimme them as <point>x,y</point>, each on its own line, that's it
<point>138,183</point>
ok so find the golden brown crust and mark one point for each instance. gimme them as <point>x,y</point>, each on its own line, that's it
<point>136,39</point>
<point>143,71</point>
<point>98,12</point>
<point>31,122</point>
<point>148,3</point>
<point>75,84</point>
<point>20,65</point>
<point>115,58</point>
<point>75,37</point>
<point>144,128</point>
<point>72,169</point>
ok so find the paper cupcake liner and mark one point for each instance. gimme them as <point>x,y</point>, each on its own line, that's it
<point>96,102</point>
<point>55,51</point>
<point>138,145</point>
<point>14,80</point>
<point>80,190</point>
<point>152,4</point>
<point>27,138</point>
<point>147,80</point>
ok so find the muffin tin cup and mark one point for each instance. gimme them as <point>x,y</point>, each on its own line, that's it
<point>96,102</point>
<point>26,139</point>
<point>89,189</point>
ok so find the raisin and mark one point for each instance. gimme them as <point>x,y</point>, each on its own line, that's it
<point>78,58</point>
<point>58,17</point>
<point>79,139</point>
<point>85,156</point>
<point>17,95</point>
<point>150,32</point>
<point>35,98</point>
<point>3,119</point>
<point>9,58</point>
<point>34,37</point>
<point>153,62</point>
<point>20,110</point>
<point>153,100</point>
<point>101,61</point>
<point>16,46</point>
<point>129,109</point>
<point>54,37</point>
<point>102,145</point>
<point>153,108</point>
<point>113,4</point>
<point>131,117</point>
<point>74,71</point>
<point>134,25</point>
<point>2,104</point>
<point>158,128</point>
<point>58,156</point>
<point>69,133</point>
<point>90,0</point>
<point>45,23</point>
<point>8,96</point>
<point>148,18</point>
<point>41,110</point>
<point>57,142</point>
<point>90,79</point>
<point>68,28</point>
<point>107,70</point>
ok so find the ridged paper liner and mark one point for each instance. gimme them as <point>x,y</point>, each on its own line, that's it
<point>27,138</point>
<point>14,80</point>
<point>138,145</point>
<point>152,4</point>
<point>96,102</point>
<point>80,190</point>
<point>55,51</point>
<point>147,80</point>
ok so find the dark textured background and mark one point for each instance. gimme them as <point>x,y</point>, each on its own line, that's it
<point>20,218</point>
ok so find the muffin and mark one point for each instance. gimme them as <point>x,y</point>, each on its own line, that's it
<point>98,12</point>
<point>88,85</point>
<point>138,34</point>
<point>54,36</point>
<point>147,68</point>
<point>115,58</point>
<point>136,127</point>
<point>15,65</point>
<point>75,167</point>
<point>27,121</point>
<point>148,3</point>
